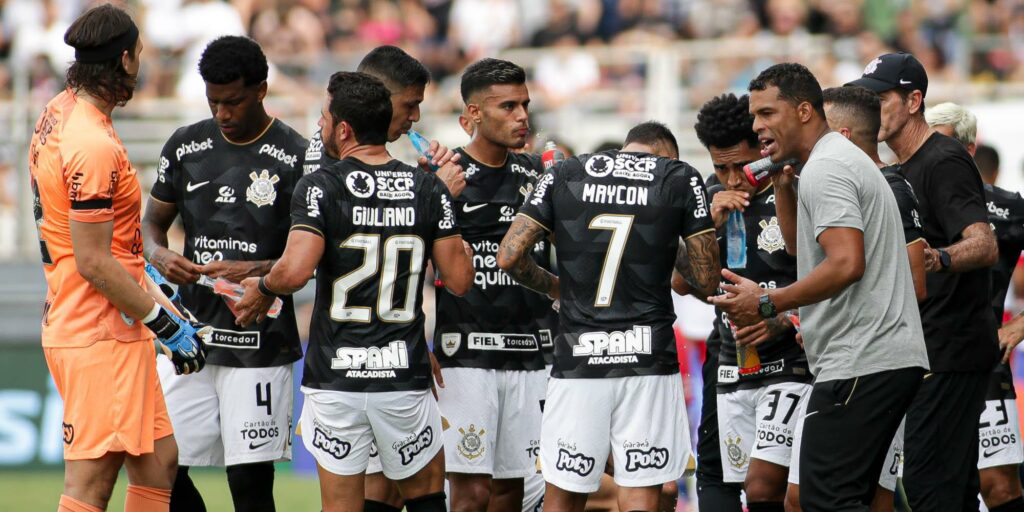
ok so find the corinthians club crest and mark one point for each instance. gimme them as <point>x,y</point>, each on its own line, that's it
<point>737,458</point>
<point>770,239</point>
<point>262,192</point>
<point>471,445</point>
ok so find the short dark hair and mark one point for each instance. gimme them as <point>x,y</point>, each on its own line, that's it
<point>107,80</point>
<point>230,58</point>
<point>607,145</point>
<point>861,105</point>
<point>394,67</point>
<point>725,121</point>
<point>987,159</point>
<point>363,102</point>
<point>652,133</point>
<point>487,72</point>
<point>796,84</point>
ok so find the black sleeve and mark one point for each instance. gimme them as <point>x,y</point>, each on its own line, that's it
<point>907,203</point>
<point>956,195</point>
<point>309,206</point>
<point>694,202</point>
<point>539,205</point>
<point>165,188</point>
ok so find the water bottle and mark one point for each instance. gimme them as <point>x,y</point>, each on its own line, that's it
<point>736,241</point>
<point>551,156</point>
<point>761,170</point>
<point>422,146</point>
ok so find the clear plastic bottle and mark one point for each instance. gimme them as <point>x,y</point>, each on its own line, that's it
<point>736,240</point>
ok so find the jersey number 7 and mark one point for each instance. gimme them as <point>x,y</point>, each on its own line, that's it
<point>619,226</point>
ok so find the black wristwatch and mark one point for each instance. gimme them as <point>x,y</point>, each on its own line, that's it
<point>765,307</point>
<point>944,259</point>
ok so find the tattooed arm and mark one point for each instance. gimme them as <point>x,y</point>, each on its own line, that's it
<point>514,257</point>
<point>697,266</point>
<point>977,249</point>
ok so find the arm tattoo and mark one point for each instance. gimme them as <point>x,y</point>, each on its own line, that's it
<point>701,268</point>
<point>977,249</point>
<point>516,246</point>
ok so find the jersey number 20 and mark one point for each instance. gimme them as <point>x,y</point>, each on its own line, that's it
<point>370,245</point>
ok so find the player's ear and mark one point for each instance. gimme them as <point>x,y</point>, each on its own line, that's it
<point>473,113</point>
<point>261,92</point>
<point>805,110</point>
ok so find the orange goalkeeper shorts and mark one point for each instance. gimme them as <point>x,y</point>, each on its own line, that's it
<point>112,398</point>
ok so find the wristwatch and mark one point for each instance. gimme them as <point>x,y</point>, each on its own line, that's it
<point>944,259</point>
<point>765,307</point>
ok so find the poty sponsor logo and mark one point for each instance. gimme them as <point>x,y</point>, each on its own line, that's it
<point>574,462</point>
<point>652,458</point>
<point>278,153</point>
<point>410,450</point>
<point>313,195</point>
<point>333,446</point>
<point>701,210</point>
<point>192,146</point>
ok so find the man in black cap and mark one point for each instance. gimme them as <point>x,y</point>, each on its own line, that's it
<point>940,471</point>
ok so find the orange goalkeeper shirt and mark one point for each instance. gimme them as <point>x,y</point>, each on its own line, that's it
<point>80,171</point>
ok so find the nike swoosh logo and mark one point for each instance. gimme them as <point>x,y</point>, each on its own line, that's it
<point>904,82</point>
<point>991,453</point>
<point>253,445</point>
<point>762,447</point>
<point>192,186</point>
<point>466,208</point>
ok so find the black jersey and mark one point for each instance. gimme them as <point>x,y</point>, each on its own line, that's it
<point>234,201</point>
<point>545,315</point>
<point>770,266</point>
<point>906,201</point>
<point>379,224</point>
<point>495,325</point>
<point>617,218</point>
<point>1006,215</point>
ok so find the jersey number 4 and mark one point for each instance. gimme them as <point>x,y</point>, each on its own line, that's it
<point>372,262</point>
<point>619,225</point>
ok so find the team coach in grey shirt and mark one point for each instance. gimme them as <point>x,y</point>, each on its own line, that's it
<point>859,317</point>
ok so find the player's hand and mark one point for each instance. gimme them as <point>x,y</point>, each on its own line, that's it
<point>439,155</point>
<point>468,248</point>
<point>753,335</point>
<point>175,267</point>
<point>784,178</point>
<point>740,300</point>
<point>725,202</point>
<point>435,368</point>
<point>254,305</point>
<point>453,177</point>
<point>234,271</point>
<point>1009,336</point>
<point>180,341</point>
<point>932,263</point>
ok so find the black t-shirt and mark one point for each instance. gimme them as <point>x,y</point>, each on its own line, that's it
<point>495,325</point>
<point>959,329</point>
<point>906,201</point>
<point>1006,214</point>
<point>379,224</point>
<point>234,201</point>
<point>617,218</point>
<point>769,265</point>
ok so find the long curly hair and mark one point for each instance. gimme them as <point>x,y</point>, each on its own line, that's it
<point>107,80</point>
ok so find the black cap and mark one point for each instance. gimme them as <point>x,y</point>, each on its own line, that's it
<point>894,70</point>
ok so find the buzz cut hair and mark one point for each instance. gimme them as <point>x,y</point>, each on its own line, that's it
<point>963,121</point>
<point>654,134</point>
<point>856,107</point>
<point>487,72</point>
<point>397,69</point>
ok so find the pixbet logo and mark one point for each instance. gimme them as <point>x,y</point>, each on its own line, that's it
<point>191,147</point>
<point>278,153</point>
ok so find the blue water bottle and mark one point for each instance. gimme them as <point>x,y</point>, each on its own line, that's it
<point>736,240</point>
<point>422,146</point>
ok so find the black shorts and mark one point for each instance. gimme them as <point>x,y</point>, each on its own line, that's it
<point>848,428</point>
<point>940,469</point>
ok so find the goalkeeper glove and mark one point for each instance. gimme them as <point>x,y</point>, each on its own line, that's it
<point>179,340</point>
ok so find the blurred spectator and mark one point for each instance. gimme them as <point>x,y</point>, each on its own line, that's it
<point>478,39</point>
<point>565,72</point>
